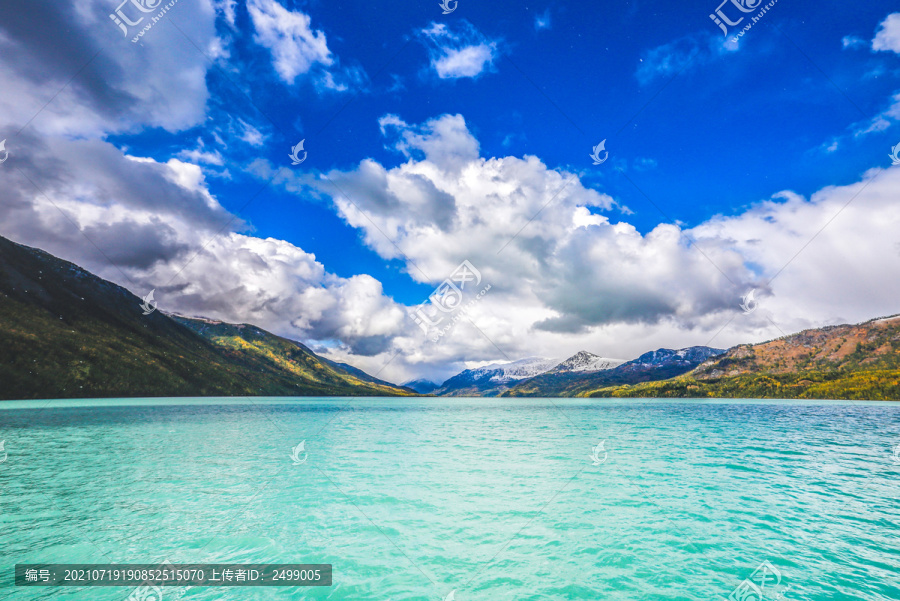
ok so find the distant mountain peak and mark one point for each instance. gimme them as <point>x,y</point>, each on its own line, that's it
<point>584,361</point>
<point>690,354</point>
<point>515,370</point>
<point>493,379</point>
<point>422,386</point>
<point>567,380</point>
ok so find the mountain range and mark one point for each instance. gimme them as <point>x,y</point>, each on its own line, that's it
<point>66,333</point>
<point>655,365</point>
<point>859,361</point>
<point>492,380</point>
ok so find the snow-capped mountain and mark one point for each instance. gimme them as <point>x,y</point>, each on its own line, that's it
<point>517,370</point>
<point>660,364</point>
<point>584,361</point>
<point>693,356</point>
<point>493,379</point>
<point>496,378</point>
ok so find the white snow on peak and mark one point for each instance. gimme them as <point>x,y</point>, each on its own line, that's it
<point>584,361</point>
<point>517,370</point>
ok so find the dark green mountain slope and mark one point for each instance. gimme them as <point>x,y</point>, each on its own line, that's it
<point>67,333</point>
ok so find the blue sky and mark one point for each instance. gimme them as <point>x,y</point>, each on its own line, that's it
<point>733,127</point>
<point>405,107</point>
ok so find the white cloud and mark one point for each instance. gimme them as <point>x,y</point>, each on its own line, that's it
<point>542,20</point>
<point>138,221</point>
<point>463,53</point>
<point>250,134</point>
<point>159,83</point>
<point>201,155</point>
<point>565,274</point>
<point>296,48</point>
<point>852,41</point>
<point>888,36</point>
<point>645,164</point>
<point>877,124</point>
<point>881,121</point>
<point>574,278</point>
<point>849,270</point>
<point>450,204</point>
<point>157,226</point>
<point>690,51</point>
<point>227,9</point>
<point>446,142</point>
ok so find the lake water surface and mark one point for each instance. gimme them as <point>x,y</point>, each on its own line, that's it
<point>494,499</point>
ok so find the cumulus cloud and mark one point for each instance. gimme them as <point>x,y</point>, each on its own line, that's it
<point>567,271</point>
<point>849,270</point>
<point>141,222</point>
<point>461,53</point>
<point>149,225</point>
<point>888,36</point>
<point>121,89</point>
<point>535,233</point>
<point>566,275</point>
<point>77,187</point>
<point>278,286</point>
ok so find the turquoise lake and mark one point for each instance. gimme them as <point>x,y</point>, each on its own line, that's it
<point>495,499</point>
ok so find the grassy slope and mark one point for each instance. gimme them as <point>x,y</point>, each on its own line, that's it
<point>840,362</point>
<point>67,333</point>
<point>290,356</point>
